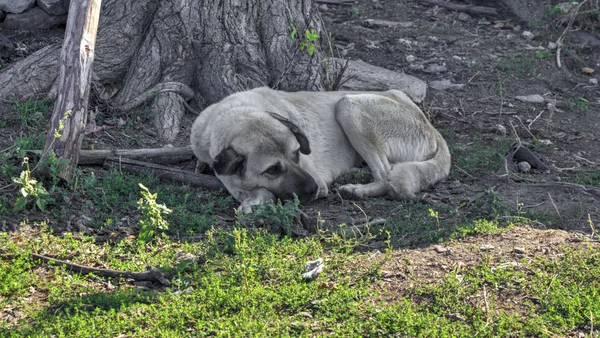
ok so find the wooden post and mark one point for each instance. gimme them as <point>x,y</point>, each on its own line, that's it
<point>70,110</point>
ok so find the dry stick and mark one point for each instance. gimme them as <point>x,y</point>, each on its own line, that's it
<point>152,274</point>
<point>164,172</point>
<point>164,155</point>
<point>462,8</point>
<point>554,204</point>
<point>75,71</point>
<point>560,40</point>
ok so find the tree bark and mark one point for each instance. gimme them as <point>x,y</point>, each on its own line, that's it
<point>164,155</point>
<point>70,109</point>
<point>215,47</point>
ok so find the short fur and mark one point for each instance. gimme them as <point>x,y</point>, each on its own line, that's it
<point>265,144</point>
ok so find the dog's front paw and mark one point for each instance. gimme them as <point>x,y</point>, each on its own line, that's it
<point>351,191</point>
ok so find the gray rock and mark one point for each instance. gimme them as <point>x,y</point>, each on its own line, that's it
<point>368,77</point>
<point>527,35</point>
<point>531,98</point>
<point>525,10</point>
<point>434,69</point>
<point>410,58</point>
<point>16,6</point>
<point>524,167</point>
<point>374,23</point>
<point>6,46</point>
<point>446,85</point>
<point>54,7</point>
<point>593,82</point>
<point>323,8</point>
<point>33,19</point>
<point>464,16</point>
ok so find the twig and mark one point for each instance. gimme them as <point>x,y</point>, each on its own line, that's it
<point>462,8</point>
<point>559,42</point>
<point>554,204</point>
<point>152,274</point>
<point>535,119</point>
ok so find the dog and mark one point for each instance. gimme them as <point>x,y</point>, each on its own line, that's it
<point>265,144</point>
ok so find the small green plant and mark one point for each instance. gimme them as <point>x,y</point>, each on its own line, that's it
<point>2,63</point>
<point>151,219</point>
<point>353,12</point>
<point>579,103</point>
<point>542,53</point>
<point>435,215</point>
<point>276,216</point>
<point>309,41</point>
<point>31,188</point>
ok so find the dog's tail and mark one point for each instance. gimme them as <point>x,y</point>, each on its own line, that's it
<point>408,178</point>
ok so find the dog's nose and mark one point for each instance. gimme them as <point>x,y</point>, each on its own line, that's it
<point>310,190</point>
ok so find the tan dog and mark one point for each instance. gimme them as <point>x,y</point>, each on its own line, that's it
<point>265,144</point>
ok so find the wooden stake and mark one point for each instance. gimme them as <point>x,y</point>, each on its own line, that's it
<point>69,117</point>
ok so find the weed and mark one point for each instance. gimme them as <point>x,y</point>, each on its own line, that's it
<point>592,178</point>
<point>519,66</point>
<point>31,188</point>
<point>276,216</point>
<point>579,103</point>
<point>542,53</point>
<point>151,219</point>
<point>309,41</point>
<point>353,12</point>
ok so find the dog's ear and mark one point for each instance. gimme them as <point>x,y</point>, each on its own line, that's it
<point>302,139</point>
<point>228,162</point>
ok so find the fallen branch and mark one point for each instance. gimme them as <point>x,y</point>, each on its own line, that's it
<point>164,155</point>
<point>152,274</point>
<point>462,8</point>
<point>164,172</point>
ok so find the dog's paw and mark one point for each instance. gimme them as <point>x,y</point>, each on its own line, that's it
<point>352,191</point>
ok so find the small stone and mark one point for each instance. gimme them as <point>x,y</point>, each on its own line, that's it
<point>500,129</point>
<point>323,8</point>
<point>588,70</point>
<point>527,35</point>
<point>524,167</point>
<point>531,98</point>
<point>434,69</point>
<point>552,46</point>
<point>519,250</point>
<point>464,17</point>
<point>446,85</point>
<point>486,247</point>
<point>594,82</point>
<point>440,249</point>
<point>411,58</point>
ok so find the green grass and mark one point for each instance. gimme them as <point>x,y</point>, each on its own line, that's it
<point>247,283</point>
<point>520,66</point>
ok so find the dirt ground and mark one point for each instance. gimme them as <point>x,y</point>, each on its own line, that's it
<point>495,63</point>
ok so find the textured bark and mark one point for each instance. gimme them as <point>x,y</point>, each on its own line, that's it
<point>165,155</point>
<point>215,47</point>
<point>76,59</point>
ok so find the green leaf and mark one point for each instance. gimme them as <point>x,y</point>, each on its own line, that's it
<point>20,203</point>
<point>293,34</point>
<point>311,49</point>
<point>41,204</point>
<point>24,192</point>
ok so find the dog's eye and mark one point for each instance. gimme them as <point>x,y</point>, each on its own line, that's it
<point>274,169</point>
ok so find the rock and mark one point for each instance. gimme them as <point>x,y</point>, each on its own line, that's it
<point>552,46</point>
<point>33,19</point>
<point>369,77</point>
<point>313,269</point>
<point>410,58</point>
<point>486,247</point>
<point>525,10</point>
<point>323,8</point>
<point>377,5</point>
<point>524,167</point>
<point>593,82</point>
<point>6,47</point>
<point>374,23</point>
<point>440,249</point>
<point>584,39</point>
<point>446,85</point>
<point>434,69</point>
<point>16,6</point>
<point>54,7</point>
<point>519,250</point>
<point>500,129</point>
<point>527,35</point>
<point>464,16</point>
<point>531,98</point>
<point>588,70</point>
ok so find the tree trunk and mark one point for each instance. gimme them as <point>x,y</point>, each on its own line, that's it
<point>69,117</point>
<point>215,47</point>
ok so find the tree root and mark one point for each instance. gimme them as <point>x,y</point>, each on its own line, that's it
<point>166,87</point>
<point>152,274</point>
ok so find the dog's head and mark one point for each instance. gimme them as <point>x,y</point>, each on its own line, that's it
<point>265,153</point>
